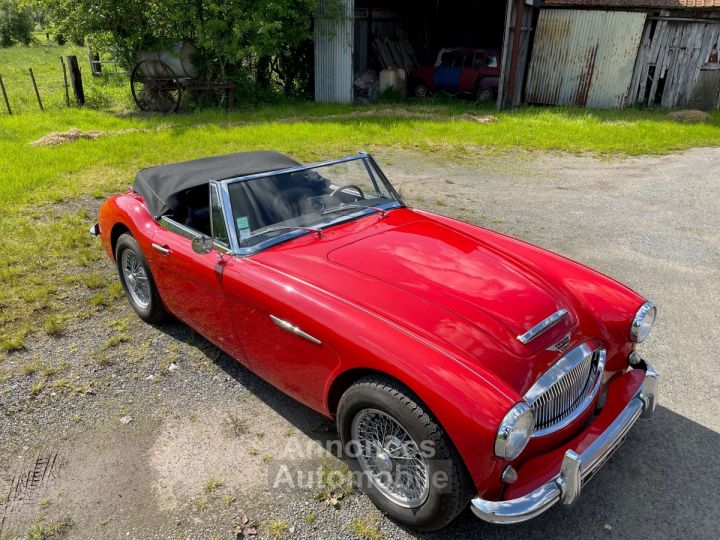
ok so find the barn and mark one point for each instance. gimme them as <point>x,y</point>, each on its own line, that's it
<point>593,53</point>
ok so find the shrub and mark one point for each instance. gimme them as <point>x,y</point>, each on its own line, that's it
<point>263,46</point>
<point>16,24</point>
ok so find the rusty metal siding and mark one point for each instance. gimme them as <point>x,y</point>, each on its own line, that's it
<point>334,51</point>
<point>584,58</point>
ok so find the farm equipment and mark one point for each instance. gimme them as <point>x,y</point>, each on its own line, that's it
<point>160,78</point>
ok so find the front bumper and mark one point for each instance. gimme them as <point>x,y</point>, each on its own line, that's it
<point>576,469</point>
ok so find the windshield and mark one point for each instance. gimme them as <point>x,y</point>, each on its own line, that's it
<point>281,204</point>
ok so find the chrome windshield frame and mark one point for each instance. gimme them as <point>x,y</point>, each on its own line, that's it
<point>238,250</point>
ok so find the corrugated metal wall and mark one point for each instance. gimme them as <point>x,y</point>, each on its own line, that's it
<point>334,51</point>
<point>584,58</point>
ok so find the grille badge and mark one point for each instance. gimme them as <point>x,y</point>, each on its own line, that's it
<point>562,345</point>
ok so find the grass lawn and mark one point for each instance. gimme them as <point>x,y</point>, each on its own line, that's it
<point>46,248</point>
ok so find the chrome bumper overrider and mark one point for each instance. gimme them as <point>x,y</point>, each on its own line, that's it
<point>575,468</point>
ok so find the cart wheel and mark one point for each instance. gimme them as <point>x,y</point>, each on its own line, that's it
<point>154,87</point>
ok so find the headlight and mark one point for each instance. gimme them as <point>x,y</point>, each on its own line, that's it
<point>643,322</point>
<point>514,432</point>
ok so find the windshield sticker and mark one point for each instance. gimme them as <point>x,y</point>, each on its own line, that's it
<point>243,226</point>
<point>242,223</point>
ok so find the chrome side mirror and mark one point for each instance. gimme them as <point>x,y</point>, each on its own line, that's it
<point>202,244</point>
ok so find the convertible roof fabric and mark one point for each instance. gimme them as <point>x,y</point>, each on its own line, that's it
<point>159,185</point>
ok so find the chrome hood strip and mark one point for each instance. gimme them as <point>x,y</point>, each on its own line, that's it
<point>542,326</point>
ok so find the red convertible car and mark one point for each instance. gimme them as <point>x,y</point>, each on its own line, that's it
<point>474,72</point>
<point>462,366</point>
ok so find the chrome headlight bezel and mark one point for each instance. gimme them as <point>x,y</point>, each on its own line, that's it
<point>643,322</point>
<point>514,432</point>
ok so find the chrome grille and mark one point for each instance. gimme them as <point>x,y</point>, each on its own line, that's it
<point>566,389</point>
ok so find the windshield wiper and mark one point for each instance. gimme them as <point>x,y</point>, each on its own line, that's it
<point>381,211</point>
<point>318,232</point>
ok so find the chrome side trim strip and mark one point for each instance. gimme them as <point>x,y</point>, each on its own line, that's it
<point>542,326</point>
<point>289,327</point>
<point>178,228</point>
<point>576,469</point>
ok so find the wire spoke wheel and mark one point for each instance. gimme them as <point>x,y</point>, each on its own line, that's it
<point>154,87</point>
<point>391,458</point>
<point>136,279</point>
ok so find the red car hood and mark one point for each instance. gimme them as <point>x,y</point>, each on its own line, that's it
<point>458,273</point>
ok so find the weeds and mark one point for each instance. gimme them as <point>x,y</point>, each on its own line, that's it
<point>13,342</point>
<point>335,483</point>
<point>44,531</point>
<point>30,368</point>
<point>366,528</point>
<point>277,528</point>
<point>53,326</point>
<point>236,423</point>
<point>212,485</point>
<point>114,341</point>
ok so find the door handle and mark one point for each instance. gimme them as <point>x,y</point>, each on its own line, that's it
<point>162,249</point>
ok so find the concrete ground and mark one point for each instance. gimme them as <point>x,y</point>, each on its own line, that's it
<point>174,439</point>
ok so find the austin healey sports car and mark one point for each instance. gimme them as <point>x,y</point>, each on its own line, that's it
<point>462,366</point>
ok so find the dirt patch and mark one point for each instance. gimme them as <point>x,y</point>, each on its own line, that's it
<point>689,117</point>
<point>234,447</point>
<point>60,137</point>
<point>482,119</point>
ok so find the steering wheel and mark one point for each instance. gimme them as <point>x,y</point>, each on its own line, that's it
<point>348,186</point>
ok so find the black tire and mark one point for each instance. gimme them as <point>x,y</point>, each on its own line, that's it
<point>442,505</point>
<point>483,94</point>
<point>420,90</point>
<point>155,311</point>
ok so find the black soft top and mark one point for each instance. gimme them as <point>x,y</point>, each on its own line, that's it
<point>159,186</point>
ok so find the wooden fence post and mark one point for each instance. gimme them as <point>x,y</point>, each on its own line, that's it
<point>65,83</point>
<point>37,93</point>
<point>76,79</point>
<point>7,103</point>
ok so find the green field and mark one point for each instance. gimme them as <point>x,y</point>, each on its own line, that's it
<point>108,93</point>
<point>45,245</point>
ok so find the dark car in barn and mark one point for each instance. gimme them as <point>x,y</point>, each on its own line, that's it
<point>459,71</point>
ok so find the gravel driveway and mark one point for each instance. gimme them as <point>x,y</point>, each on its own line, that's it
<point>154,433</point>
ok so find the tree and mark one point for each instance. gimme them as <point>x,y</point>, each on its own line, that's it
<point>16,23</point>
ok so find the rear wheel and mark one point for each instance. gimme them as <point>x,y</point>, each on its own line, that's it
<point>403,459</point>
<point>483,94</point>
<point>420,90</point>
<point>137,280</point>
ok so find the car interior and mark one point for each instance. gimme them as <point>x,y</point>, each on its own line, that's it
<point>264,202</point>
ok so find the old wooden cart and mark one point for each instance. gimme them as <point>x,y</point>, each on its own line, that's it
<point>160,78</point>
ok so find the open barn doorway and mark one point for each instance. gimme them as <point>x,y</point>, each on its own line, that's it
<point>444,46</point>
